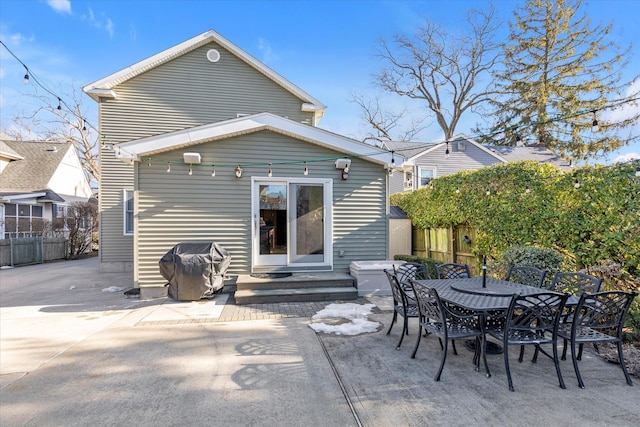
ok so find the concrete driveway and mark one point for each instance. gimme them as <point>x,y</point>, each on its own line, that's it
<point>74,353</point>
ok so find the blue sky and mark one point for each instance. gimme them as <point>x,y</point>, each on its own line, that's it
<point>325,47</point>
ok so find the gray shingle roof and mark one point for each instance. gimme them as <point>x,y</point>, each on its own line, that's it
<point>538,154</point>
<point>407,149</point>
<point>34,171</point>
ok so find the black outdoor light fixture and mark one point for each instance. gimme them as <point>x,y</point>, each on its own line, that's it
<point>344,164</point>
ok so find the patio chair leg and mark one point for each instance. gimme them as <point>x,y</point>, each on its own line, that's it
<point>395,317</point>
<point>564,350</point>
<point>624,366</point>
<point>453,345</point>
<point>535,354</point>
<point>575,364</point>
<point>505,352</point>
<point>405,331</point>
<point>557,362</point>
<point>442,360</point>
<point>484,356</point>
<point>521,354</point>
<point>580,351</point>
<point>415,349</point>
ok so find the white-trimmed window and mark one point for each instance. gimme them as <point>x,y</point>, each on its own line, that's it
<point>408,181</point>
<point>128,212</point>
<point>23,220</point>
<point>426,175</point>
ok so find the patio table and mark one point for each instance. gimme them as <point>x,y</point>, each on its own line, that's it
<point>470,294</point>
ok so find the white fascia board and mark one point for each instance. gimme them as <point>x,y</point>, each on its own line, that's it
<point>133,150</point>
<point>10,198</point>
<point>97,88</point>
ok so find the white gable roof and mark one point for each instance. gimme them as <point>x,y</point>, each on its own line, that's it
<point>105,87</point>
<point>134,150</point>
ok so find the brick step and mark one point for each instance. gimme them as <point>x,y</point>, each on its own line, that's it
<point>296,280</point>
<point>306,294</point>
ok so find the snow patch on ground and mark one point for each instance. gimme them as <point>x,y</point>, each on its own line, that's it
<point>345,319</point>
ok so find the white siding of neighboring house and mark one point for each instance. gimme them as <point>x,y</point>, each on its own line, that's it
<point>176,207</point>
<point>69,179</point>
<point>185,92</point>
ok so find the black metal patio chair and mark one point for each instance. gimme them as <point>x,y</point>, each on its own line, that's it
<point>447,323</point>
<point>453,271</point>
<point>531,320</point>
<point>404,304</point>
<point>598,318</point>
<point>525,275</point>
<point>575,283</point>
<point>411,271</point>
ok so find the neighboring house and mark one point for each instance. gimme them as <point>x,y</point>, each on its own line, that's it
<point>202,142</point>
<point>424,162</point>
<point>38,180</point>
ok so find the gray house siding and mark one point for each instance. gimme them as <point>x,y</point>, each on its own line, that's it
<point>175,207</point>
<point>472,157</point>
<point>116,249</point>
<point>185,92</point>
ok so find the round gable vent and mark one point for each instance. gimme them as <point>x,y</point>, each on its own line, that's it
<point>213,55</point>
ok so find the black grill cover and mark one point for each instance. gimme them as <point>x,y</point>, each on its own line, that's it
<point>195,270</point>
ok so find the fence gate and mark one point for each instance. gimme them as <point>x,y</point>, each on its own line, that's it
<point>26,250</point>
<point>447,245</point>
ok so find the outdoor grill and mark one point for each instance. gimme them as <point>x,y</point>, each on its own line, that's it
<point>195,270</point>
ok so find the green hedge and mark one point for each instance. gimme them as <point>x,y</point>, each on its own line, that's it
<point>430,263</point>
<point>595,225</point>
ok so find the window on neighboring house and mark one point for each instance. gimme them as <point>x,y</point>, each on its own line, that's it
<point>59,213</point>
<point>128,212</point>
<point>408,181</point>
<point>426,175</point>
<point>23,220</point>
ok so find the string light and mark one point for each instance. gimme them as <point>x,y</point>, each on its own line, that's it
<point>29,76</point>
<point>149,162</point>
<point>594,124</point>
<point>190,170</point>
<point>576,184</point>
<point>270,171</point>
<point>238,171</point>
<point>457,190</point>
<point>488,192</point>
<point>169,167</point>
<point>306,169</point>
<point>213,171</point>
<point>393,159</point>
<point>527,190</point>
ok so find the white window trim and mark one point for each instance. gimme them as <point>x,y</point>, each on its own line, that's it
<point>420,169</point>
<point>125,193</point>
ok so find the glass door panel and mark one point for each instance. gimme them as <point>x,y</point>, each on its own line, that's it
<point>273,246</point>
<point>307,228</point>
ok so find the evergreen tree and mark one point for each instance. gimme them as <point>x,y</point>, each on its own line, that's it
<point>560,72</point>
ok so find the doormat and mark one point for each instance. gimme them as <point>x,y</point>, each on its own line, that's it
<point>270,275</point>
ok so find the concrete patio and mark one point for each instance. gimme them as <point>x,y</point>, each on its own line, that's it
<point>75,353</point>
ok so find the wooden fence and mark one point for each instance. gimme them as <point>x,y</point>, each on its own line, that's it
<point>447,245</point>
<point>32,250</point>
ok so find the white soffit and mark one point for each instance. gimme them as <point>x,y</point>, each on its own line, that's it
<point>133,150</point>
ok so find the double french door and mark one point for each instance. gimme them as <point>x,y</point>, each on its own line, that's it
<point>291,223</point>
